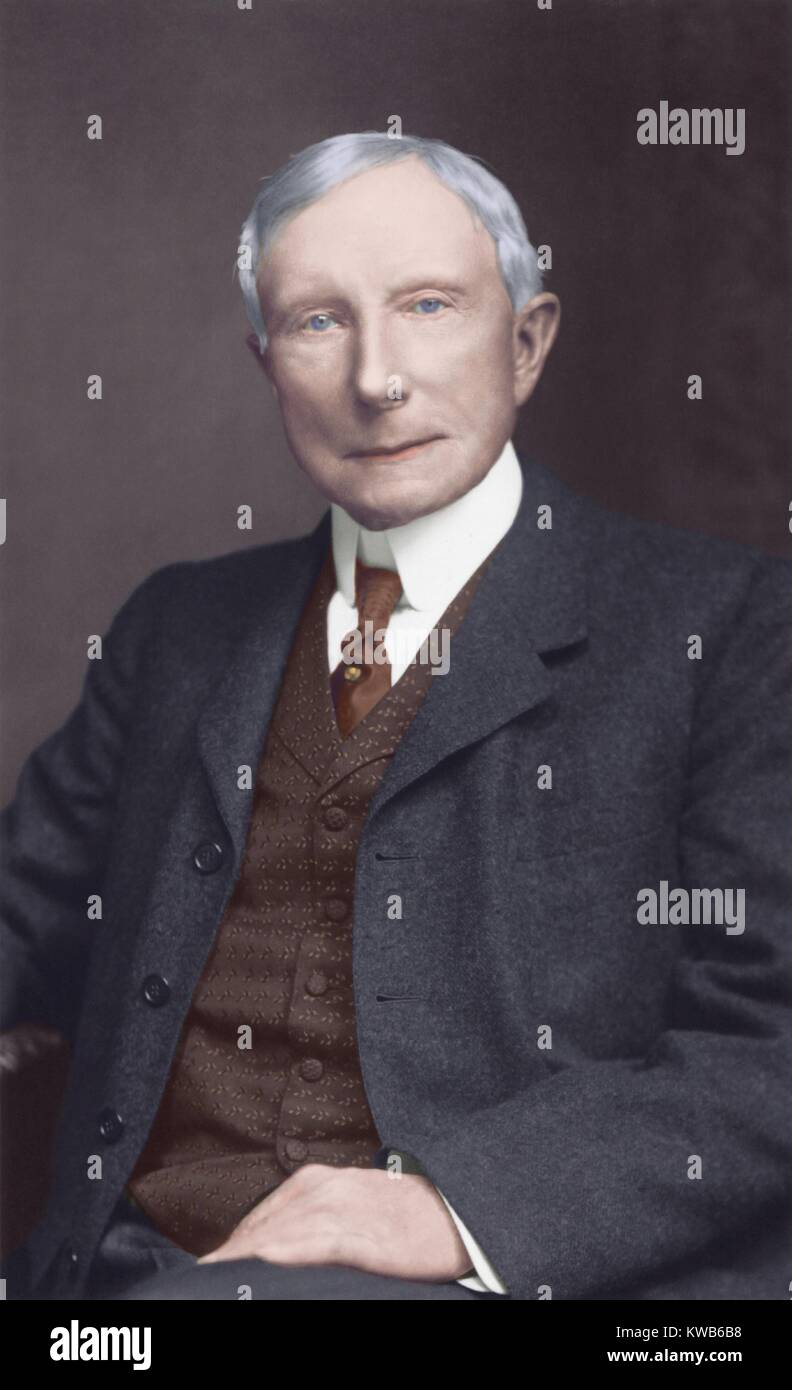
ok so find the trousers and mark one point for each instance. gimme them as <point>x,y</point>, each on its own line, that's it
<point>135,1261</point>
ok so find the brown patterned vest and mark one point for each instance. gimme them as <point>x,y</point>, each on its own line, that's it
<point>244,1106</point>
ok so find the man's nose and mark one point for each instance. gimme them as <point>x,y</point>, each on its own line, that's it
<point>376,375</point>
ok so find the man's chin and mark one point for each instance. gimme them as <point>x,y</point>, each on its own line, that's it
<point>382,513</point>
<point>380,518</point>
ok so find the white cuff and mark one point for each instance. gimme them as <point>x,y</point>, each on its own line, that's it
<point>485,1280</point>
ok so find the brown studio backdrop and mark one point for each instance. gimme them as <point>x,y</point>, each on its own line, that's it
<point>117,258</point>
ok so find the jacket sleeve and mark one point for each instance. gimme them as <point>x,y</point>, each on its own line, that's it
<point>54,836</point>
<point>485,1280</point>
<point>586,1181</point>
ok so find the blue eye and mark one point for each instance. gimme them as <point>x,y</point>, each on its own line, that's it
<point>319,322</point>
<point>434,305</point>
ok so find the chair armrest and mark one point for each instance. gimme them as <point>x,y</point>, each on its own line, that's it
<point>34,1065</point>
<point>26,1044</point>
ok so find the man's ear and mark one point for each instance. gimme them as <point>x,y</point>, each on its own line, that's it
<point>535,329</point>
<point>262,358</point>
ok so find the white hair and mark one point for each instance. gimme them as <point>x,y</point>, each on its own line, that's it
<point>307,176</point>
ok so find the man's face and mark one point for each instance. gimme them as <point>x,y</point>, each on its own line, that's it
<point>391,344</point>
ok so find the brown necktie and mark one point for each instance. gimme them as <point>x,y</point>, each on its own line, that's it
<point>357,685</point>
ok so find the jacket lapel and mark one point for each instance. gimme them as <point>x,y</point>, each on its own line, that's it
<point>233,723</point>
<point>531,600</point>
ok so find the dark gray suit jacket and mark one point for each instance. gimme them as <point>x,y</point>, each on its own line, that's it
<point>574,1165</point>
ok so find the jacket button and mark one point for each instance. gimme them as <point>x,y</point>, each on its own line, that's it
<point>316,983</point>
<point>296,1150</point>
<point>335,817</point>
<point>111,1126</point>
<point>311,1069</point>
<point>336,909</point>
<point>156,991</point>
<point>207,858</point>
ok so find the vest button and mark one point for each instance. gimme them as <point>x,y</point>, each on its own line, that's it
<point>111,1126</point>
<point>316,983</point>
<point>336,909</point>
<point>335,817</point>
<point>296,1150</point>
<point>207,858</point>
<point>156,991</point>
<point>311,1069</point>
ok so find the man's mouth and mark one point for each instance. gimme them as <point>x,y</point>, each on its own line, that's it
<point>404,450</point>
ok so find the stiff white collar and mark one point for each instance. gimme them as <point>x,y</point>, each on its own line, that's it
<point>434,555</point>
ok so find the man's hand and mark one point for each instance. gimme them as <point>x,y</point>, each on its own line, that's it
<point>360,1217</point>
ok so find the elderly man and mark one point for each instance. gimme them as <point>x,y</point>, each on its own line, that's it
<point>378,1005</point>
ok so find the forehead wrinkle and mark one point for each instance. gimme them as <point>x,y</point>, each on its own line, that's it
<point>457,272</point>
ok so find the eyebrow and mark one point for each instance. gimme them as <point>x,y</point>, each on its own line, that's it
<point>436,282</point>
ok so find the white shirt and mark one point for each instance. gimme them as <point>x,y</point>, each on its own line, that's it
<point>434,556</point>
